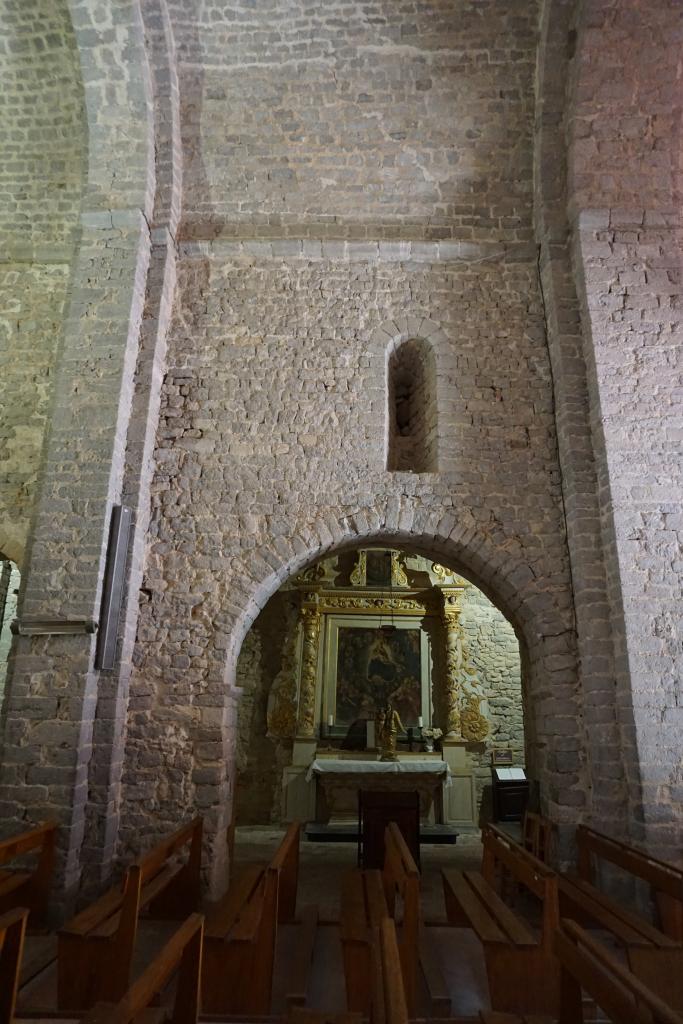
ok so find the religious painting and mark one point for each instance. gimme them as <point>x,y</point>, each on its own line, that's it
<point>375,666</point>
<point>378,571</point>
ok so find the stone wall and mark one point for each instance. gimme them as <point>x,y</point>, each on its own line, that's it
<point>391,200</point>
<point>350,176</point>
<point>42,128</point>
<point>625,201</point>
<point>357,117</point>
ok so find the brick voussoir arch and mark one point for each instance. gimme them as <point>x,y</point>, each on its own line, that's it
<point>505,578</point>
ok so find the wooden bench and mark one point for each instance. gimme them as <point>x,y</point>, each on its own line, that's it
<point>367,898</point>
<point>537,833</point>
<point>363,908</point>
<point>388,1003</point>
<point>241,931</point>
<point>12,934</point>
<point>182,954</point>
<point>587,965</point>
<point>24,886</point>
<point>655,954</point>
<point>522,969</point>
<point>95,948</point>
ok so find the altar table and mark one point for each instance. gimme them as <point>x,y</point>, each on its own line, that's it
<point>340,779</point>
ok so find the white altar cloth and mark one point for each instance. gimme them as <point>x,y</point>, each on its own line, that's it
<point>348,767</point>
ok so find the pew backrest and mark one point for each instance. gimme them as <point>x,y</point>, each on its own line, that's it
<point>525,869</point>
<point>157,870</point>
<point>182,953</point>
<point>12,933</point>
<point>96,946</point>
<point>286,862</point>
<point>665,880</point>
<point>537,833</point>
<point>388,1003</point>
<point>25,886</point>
<point>586,964</point>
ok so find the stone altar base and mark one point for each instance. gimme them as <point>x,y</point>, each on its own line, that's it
<point>337,795</point>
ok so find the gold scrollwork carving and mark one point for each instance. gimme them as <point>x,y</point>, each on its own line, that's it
<point>399,577</point>
<point>475,727</point>
<point>360,569</point>
<point>313,574</point>
<point>310,618</point>
<point>374,603</point>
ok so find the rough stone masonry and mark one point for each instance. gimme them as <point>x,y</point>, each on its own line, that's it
<point>223,217</point>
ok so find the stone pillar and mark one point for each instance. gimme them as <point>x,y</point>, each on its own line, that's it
<point>454,659</point>
<point>310,620</point>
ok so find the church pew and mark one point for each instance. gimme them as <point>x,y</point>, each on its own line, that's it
<point>12,935</point>
<point>587,965</point>
<point>182,954</point>
<point>522,969</point>
<point>363,910</point>
<point>241,931</point>
<point>537,834</point>
<point>388,1003</point>
<point>25,886</point>
<point>654,954</point>
<point>95,948</point>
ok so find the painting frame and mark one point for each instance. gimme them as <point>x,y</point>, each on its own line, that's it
<point>331,664</point>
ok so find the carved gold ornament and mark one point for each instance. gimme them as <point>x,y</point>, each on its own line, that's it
<point>360,569</point>
<point>310,618</point>
<point>475,727</point>
<point>399,577</point>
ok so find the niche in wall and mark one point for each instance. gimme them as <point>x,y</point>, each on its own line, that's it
<point>360,663</point>
<point>412,438</point>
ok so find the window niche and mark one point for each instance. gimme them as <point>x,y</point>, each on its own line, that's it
<point>412,413</point>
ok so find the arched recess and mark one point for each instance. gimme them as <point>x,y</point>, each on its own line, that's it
<point>493,562</point>
<point>412,412</point>
<point>384,625</point>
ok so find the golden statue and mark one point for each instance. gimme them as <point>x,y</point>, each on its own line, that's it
<point>387,725</point>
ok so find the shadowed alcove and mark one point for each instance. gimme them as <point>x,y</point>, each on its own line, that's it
<point>353,632</point>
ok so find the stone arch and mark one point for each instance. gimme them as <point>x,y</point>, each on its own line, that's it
<point>492,563</point>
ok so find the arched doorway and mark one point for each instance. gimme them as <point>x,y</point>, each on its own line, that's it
<point>350,633</point>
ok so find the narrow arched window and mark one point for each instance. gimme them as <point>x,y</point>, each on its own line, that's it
<point>411,414</point>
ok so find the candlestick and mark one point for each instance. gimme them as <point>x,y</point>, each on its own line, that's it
<point>419,721</point>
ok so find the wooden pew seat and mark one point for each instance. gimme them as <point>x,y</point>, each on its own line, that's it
<point>363,908</point>
<point>654,954</point>
<point>241,932</point>
<point>521,966</point>
<point>182,954</point>
<point>95,948</point>
<point>362,911</point>
<point>587,966</point>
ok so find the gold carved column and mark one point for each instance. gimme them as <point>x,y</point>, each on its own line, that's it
<point>310,621</point>
<point>454,659</point>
